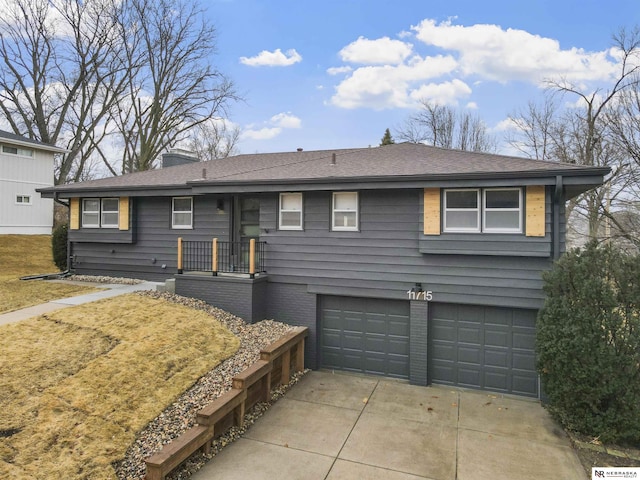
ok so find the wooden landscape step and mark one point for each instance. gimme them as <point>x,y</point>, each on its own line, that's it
<point>176,452</point>
<point>249,387</point>
<point>233,400</point>
<point>282,348</point>
<point>259,371</point>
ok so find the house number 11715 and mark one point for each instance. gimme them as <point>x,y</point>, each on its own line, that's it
<point>425,296</point>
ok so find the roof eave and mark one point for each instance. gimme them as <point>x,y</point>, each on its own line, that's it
<point>37,146</point>
<point>596,174</point>
<point>50,192</point>
<point>591,171</point>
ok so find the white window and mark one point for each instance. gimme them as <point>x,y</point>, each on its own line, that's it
<point>182,212</point>
<point>25,152</point>
<point>290,217</point>
<point>109,213</point>
<point>23,199</point>
<point>91,213</point>
<point>100,213</point>
<point>462,210</point>
<point>502,210</point>
<point>345,211</point>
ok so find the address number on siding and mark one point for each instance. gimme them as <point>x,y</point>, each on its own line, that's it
<point>424,296</point>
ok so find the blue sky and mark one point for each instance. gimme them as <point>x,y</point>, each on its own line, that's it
<point>335,74</point>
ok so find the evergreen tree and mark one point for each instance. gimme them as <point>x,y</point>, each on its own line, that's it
<point>588,342</point>
<point>387,139</point>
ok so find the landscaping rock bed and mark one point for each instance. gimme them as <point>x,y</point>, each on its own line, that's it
<point>181,415</point>
<point>102,279</point>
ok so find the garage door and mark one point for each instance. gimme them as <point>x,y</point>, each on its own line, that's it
<point>483,347</point>
<point>365,335</point>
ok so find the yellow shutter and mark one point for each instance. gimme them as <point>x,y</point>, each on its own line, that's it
<point>123,220</point>
<point>535,211</point>
<point>74,214</point>
<point>432,211</point>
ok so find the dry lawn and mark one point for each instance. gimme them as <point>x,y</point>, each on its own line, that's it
<point>22,255</point>
<point>77,384</point>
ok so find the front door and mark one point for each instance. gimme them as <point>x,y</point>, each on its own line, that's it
<point>245,220</point>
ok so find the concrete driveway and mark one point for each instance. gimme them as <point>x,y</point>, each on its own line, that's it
<point>336,426</point>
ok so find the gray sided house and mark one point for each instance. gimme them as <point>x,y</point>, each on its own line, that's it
<point>406,260</point>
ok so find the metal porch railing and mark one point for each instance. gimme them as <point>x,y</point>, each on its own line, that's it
<point>216,256</point>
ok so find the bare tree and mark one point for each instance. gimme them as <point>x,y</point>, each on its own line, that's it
<point>60,74</point>
<point>175,88</point>
<point>442,126</point>
<point>586,135</point>
<point>214,139</point>
<point>534,128</point>
<point>89,75</point>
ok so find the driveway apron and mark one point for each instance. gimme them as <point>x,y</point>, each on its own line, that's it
<point>337,426</point>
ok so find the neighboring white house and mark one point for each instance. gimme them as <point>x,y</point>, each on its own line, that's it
<point>24,166</point>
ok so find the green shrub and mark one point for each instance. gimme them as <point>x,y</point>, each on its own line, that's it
<point>588,343</point>
<point>59,246</point>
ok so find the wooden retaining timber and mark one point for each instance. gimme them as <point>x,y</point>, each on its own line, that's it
<point>251,386</point>
<point>231,401</point>
<point>178,451</point>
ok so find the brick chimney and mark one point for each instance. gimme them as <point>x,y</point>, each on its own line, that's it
<point>178,156</point>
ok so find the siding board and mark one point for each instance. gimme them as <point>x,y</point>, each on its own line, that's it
<point>155,242</point>
<point>386,254</point>
<point>517,245</point>
<point>385,258</point>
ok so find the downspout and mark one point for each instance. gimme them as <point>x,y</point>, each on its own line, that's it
<point>59,274</point>
<point>557,198</point>
<point>69,244</point>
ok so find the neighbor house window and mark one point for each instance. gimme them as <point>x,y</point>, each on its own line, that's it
<point>25,152</point>
<point>100,213</point>
<point>491,210</point>
<point>182,212</point>
<point>462,210</point>
<point>91,213</point>
<point>345,211</point>
<point>502,210</point>
<point>109,213</point>
<point>23,199</point>
<point>290,217</point>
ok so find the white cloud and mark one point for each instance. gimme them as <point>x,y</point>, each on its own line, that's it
<point>504,125</point>
<point>286,120</point>
<point>262,133</point>
<point>381,87</point>
<point>512,54</point>
<point>272,127</point>
<point>272,59</point>
<point>382,51</point>
<point>394,73</point>
<point>338,70</point>
<point>445,93</point>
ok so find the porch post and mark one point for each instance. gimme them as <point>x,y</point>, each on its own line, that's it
<point>214,256</point>
<point>179,254</point>
<point>252,257</point>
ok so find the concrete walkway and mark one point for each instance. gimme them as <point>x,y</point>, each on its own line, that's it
<point>335,426</point>
<point>110,290</point>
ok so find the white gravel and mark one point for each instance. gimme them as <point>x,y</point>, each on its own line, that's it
<point>103,279</point>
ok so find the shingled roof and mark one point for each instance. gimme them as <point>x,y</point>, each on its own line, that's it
<point>391,162</point>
